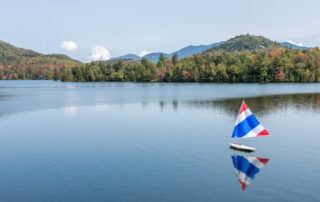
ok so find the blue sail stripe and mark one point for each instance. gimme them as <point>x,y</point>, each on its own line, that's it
<point>245,126</point>
<point>243,165</point>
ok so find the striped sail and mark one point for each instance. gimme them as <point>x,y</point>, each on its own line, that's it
<point>247,167</point>
<point>247,124</point>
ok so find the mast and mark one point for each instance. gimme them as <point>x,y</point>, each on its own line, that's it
<point>234,138</point>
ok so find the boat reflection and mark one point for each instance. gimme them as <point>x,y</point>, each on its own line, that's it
<point>247,167</point>
<point>241,150</point>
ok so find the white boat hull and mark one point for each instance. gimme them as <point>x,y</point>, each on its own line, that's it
<point>242,147</point>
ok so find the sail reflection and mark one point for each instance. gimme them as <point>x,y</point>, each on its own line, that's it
<point>247,167</point>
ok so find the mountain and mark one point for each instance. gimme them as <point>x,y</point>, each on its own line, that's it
<point>11,56</point>
<point>294,46</point>
<point>192,50</point>
<point>128,57</point>
<point>182,53</point>
<point>246,42</point>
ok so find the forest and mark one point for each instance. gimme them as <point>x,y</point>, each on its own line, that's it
<point>281,65</point>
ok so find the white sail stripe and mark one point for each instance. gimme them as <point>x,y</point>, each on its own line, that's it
<point>243,116</point>
<point>254,132</point>
<point>253,160</point>
<point>243,177</point>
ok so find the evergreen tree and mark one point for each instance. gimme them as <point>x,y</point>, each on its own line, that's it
<point>174,58</point>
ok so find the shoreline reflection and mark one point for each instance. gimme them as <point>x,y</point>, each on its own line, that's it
<point>262,106</point>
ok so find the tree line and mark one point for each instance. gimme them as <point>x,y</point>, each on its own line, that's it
<point>261,65</point>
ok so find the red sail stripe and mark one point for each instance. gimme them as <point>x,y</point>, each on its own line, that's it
<point>243,107</point>
<point>263,160</point>
<point>262,133</point>
<point>243,185</point>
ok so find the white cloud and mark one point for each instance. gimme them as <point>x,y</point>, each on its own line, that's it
<point>68,45</point>
<point>143,53</point>
<point>99,52</point>
<point>295,43</point>
<point>318,39</point>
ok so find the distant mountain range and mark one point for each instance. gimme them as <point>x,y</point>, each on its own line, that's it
<point>238,43</point>
<point>294,46</point>
<point>182,53</point>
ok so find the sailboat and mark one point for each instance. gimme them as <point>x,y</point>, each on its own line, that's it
<point>246,126</point>
<point>247,167</point>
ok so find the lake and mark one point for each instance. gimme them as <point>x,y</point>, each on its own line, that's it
<point>154,142</point>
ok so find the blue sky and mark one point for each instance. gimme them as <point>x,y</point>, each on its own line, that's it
<point>112,28</point>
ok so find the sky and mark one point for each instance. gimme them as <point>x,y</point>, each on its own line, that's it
<point>96,29</point>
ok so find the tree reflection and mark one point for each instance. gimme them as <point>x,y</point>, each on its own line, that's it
<point>263,105</point>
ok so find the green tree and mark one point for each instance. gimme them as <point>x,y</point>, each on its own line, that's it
<point>174,58</point>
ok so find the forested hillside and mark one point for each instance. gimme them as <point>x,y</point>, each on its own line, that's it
<point>246,42</point>
<point>19,63</point>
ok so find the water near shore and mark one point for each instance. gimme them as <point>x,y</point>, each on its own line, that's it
<point>154,142</point>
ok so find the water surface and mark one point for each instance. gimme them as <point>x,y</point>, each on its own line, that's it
<point>154,142</point>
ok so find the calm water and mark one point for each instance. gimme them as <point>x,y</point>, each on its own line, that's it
<point>154,142</point>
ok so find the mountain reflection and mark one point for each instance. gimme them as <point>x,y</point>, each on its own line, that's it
<point>247,167</point>
<point>263,105</point>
